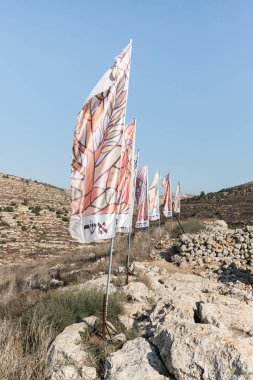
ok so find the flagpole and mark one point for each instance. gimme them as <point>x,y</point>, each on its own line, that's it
<point>128,255</point>
<point>160,228</point>
<point>106,295</point>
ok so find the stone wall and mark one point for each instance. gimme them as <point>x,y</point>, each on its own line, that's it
<point>216,247</point>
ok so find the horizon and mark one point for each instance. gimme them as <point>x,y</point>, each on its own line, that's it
<point>190,88</point>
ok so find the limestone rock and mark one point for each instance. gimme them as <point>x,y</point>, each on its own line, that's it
<point>67,350</point>
<point>198,351</point>
<point>236,318</point>
<point>137,360</point>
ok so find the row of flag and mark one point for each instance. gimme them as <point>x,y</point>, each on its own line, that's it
<point>104,177</point>
<point>148,200</point>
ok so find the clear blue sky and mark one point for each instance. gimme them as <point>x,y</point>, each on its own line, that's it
<point>191,85</point>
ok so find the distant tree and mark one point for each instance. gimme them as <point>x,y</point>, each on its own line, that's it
<point>202,193</point>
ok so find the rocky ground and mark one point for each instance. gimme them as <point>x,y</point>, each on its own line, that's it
<point>193,324</point>
<point>234,205</point>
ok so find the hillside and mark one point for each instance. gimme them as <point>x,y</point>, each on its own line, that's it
<point>33,220</point>
<point>234,204</point>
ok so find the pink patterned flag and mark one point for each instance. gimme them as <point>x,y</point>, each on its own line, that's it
<point>142,198</point>
<point>154,202</point>
<point>177,198</point>
<point>125,201</point>
<point>97,152</point>
<point>167,208</point>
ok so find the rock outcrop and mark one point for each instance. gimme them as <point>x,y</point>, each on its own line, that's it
<point>67,356</point>
<point>137,360</point>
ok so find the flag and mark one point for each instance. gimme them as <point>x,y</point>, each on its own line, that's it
<point>97,152</point>
<point>167,206</point>
<point>142,197</point>
<point>136,160</point>
<point>177,198</point>
<point>154,204</point>
<point>124,217</point>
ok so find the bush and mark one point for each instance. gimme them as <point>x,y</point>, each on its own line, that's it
<point>3,223</point>
<point>8,209</point>
<point>35,210</point>
<point>65,219</point>
<point>25,202</point>
<point>64,309</point>
<point>24,228</point>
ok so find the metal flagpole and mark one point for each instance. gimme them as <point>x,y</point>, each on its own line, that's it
<point>128,255</point>
<point>160,227</point>
<point>106,295</point>
<point>109,277</point>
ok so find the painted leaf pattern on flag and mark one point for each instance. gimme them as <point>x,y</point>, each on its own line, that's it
<point>167,205</point>
<point>126,178</point>
<point>97,143</point>
<point>142,219</point>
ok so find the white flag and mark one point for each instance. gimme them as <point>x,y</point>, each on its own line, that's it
<point>154,202</point>
<point>97,153</point>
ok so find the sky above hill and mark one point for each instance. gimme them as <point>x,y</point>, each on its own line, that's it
<point>191,84</point>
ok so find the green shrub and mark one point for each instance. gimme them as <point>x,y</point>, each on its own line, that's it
<point>132,333</point>
<point>65,219</point>
<point>3,223</point>
<point>24,228</point>
<point>8,209</point>
<point>35,210</point>
<point>64,309</point>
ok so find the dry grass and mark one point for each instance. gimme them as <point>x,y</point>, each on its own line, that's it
<point>32,313</point>
<point>20,357</point>
<point>191,226</point>
<point>24,341</point>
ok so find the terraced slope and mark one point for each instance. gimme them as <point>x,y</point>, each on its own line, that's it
<point>33,220</point>
<point>234,204</point>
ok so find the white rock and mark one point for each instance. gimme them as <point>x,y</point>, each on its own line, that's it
<point>67,347</point>
<point>198,351</point>
<point>137,360</point>
<point>67,372</point>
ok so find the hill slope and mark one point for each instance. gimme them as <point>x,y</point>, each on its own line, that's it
<point>33,220</point>
<point>234,204</point>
